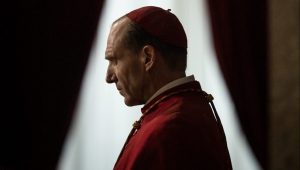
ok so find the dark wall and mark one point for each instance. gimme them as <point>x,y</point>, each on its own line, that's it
<point>42,79</point>
<point>284,76</point>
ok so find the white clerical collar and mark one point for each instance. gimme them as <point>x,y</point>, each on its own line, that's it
<point>172,84</point>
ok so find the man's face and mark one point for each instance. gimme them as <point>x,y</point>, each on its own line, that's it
<point>125,67</point>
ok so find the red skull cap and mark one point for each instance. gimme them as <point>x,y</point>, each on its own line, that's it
<point>160,23</point>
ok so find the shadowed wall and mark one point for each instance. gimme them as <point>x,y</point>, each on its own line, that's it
<point>284,84</point>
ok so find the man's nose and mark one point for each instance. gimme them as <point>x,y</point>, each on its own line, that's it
<point>110,77</point>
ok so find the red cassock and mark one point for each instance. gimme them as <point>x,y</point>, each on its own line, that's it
<point>178,131</point>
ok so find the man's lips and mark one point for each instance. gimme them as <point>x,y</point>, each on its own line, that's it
<point>119,89</point>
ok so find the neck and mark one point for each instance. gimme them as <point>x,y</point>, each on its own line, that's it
<point>159,80</point>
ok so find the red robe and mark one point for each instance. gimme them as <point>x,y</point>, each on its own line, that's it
<point>178,132</point>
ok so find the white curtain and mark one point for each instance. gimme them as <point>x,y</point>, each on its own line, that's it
<point>103,121</point>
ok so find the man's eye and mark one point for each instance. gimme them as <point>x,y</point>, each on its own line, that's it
<point>112,62</point>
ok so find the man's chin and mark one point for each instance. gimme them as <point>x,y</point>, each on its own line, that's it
<point>132,102</point>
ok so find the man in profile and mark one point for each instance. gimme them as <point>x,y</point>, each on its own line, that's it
<point>147,54</point>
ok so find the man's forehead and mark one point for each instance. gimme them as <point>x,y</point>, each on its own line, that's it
<point>116,33</point>
<point>119,25</point>
<point>117,30</point>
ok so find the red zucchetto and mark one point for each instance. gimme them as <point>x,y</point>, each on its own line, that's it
<point>161,24</point>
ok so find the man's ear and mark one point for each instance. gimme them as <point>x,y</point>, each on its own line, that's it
<point>149,56</point>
